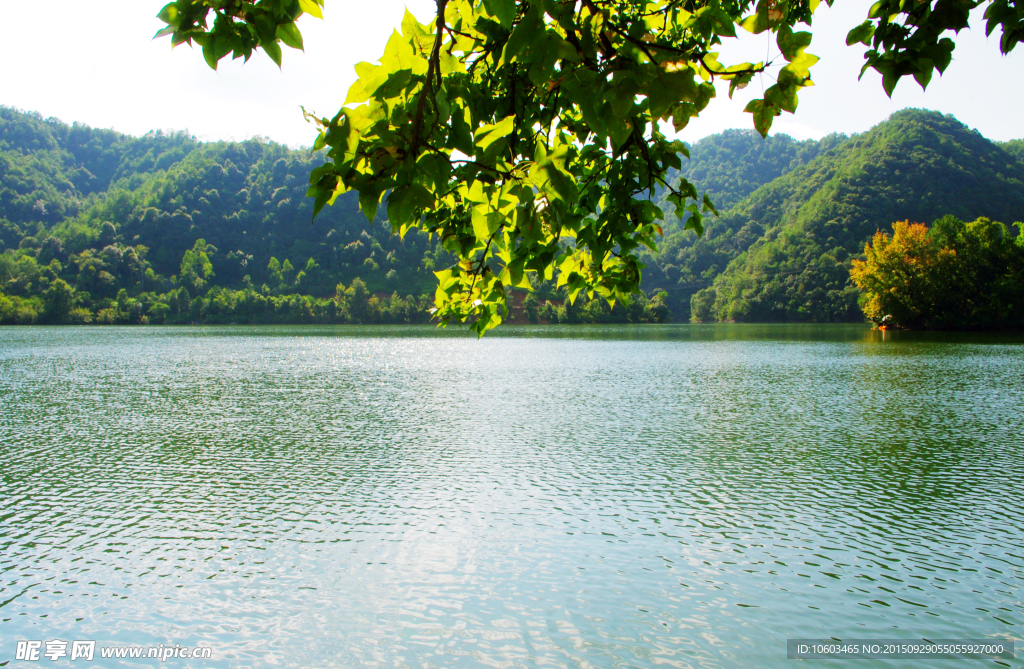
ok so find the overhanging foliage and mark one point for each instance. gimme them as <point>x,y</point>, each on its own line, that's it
<point>527,135</point>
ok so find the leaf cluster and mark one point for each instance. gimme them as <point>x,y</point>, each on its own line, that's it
<point>236,27</point>
<point>915,37</point>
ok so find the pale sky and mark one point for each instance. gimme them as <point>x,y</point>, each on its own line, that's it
<point>96,63</point>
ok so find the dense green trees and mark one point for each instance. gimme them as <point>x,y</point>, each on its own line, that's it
<point>233,219</point>
<point>956,275</point>
<point>730,167</point>
<point>50,171</point>
<point>117,285</point>
<point>247,200</point>
<point>1014,148</point>
<point>784,253</point>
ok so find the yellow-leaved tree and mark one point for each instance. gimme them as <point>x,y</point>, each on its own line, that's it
<point>955,275</point>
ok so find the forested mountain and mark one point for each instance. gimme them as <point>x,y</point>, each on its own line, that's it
<point>783,253</point>
<point>729,167</point>
<point>163,228</point>
<point>732,165</point>
<point>50,171</point>
<point>166,228</point>
<point>247,200</point>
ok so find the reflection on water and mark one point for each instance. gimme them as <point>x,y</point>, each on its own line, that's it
<point>686,496</point>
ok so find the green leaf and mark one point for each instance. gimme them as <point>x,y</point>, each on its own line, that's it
<point>325,187</point>
<point>924,74</point>
<point>311,7</point>
<point>709,206</point>
<point>290,35</point>
<point>208,43</point>
<point>436,168</point>
<point>504,10</point>
<point>756,23</point>
<point>398,54</point>
<point>486,135</point>
<point>862,33</point>
<point>800,67</point>
<point>763,113</point>
<point>548,174</point>
<point>356,93</point>
<point>889,81</point>
<point>169,14</point>
<point>369,200</point>
<point>523,34</point>
<point>695,222</point>
<point>782,97</point>
<point>485,222</point>
<point>274,51</point>
<point>722,22</point>
<point>264,24</point>
<point>460,137</point>
<point>406,204</point>
<point>670,88</point>
<point>792,44</point>
<point>554,183</point>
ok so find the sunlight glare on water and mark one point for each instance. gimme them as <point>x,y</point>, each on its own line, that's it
<point>605,497</point>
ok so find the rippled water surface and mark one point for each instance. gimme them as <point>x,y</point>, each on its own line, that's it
<point>676,496</point>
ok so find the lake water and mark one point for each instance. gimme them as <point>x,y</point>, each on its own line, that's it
<point>656,496</point>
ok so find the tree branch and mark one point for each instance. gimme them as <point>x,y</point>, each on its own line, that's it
<point>428,87</point>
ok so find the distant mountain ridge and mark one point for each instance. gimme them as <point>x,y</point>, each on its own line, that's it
<point>1014,147</point>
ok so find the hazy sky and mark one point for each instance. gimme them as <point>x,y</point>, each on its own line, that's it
<point>96,63</point>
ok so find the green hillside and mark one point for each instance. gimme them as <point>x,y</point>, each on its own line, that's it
<point>50,171</point>
<point>729,166</point>
<point>247,200</point>
<point>783,253</point>
<point>733,164</point>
